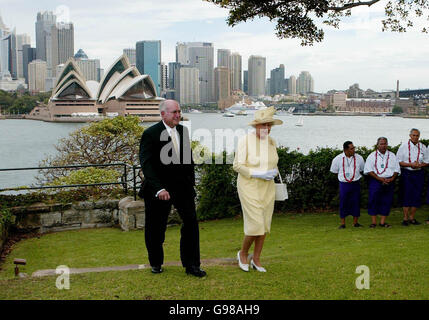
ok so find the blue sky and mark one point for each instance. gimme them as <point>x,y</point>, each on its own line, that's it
<point>356,53</point>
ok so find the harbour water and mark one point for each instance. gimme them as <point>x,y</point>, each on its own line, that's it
<point>24,143</point>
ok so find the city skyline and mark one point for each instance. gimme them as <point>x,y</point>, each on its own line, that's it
<point>356,53</point>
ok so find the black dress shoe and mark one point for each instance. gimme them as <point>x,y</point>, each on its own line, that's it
<point>343,226</point>
<point>196,271</point>
<point>157,269</point>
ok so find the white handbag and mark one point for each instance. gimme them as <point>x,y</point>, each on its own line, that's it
<point>281,190</point>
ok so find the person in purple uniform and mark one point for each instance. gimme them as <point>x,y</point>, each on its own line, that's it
<point>348,166</point>
<point>382,166</point>
<point>412,156</point>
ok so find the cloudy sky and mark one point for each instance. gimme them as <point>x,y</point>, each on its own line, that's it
<point>358,52</point>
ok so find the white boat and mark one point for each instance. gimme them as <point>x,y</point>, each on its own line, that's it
<point>195,111</point>
<point>228,114</point>
<point>300,122</point>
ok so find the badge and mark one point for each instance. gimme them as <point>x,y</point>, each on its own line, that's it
<point>382,166</point>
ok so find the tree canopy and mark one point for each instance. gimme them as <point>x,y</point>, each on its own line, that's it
<point>297,18</point>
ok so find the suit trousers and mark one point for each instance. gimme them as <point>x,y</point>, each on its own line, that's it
<point>156,217</point>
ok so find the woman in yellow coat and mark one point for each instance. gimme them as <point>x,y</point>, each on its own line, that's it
<point>256,163</point>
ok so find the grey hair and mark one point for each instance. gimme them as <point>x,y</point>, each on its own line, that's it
<point>414,129</point>
<point>382,138</point>
<point>162,106</point>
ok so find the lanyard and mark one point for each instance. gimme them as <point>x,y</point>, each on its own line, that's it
<point>387,163</point>
<point>354,170</point>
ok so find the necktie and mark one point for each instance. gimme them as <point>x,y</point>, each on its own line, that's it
<point>173,138</point>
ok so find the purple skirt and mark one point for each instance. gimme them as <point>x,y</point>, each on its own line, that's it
<point>349,199</point>
<point>412,187</point>
<point>380,197</point>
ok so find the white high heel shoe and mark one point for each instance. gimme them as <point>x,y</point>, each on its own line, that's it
<point>254,266</point>
<point>243,266</point>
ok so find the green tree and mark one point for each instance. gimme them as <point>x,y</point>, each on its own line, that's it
<point>397,110</point>
<point>299,19</point>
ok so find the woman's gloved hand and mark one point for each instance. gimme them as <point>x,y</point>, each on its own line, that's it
<point>265,175</point>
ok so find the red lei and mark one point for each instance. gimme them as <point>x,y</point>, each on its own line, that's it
<point>387,163</point>
<point>409,152</point>
<point>354,170</point>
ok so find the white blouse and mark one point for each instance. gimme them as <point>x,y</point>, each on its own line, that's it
<point>349,168</point>
<point>387,164</point>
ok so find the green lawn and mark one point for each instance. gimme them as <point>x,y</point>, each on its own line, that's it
<point>306,256</point>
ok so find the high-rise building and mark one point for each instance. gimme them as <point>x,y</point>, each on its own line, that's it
<point>222,83</point>
<point>173,68</point>
<point>9,55</point>
<point>89,67</point>
<point>45,22</point>
<point>278,83</point>
<point>62,43</point>
<point>164,77</point>
<point>291,86</point>
<point>235,69</point>
<point>246,81</point>
<point>28,55</point>
<point>187,89</point>
<point>148,60</point>
<point>201,56</point>
<point>3,29</point>
<point>257,75</point>
<point>223,58</point>
<point>36,75</point>
<point>21,40</point>
<point>131,54</point>
<point>305,83</point>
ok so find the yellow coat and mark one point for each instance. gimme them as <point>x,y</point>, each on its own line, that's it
<point>257,196</point>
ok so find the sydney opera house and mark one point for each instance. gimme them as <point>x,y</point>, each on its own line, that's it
<point>123,91</point>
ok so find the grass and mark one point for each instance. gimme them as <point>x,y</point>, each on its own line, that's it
<point>306,256</point>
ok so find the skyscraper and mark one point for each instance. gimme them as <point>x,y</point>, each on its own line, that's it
<point>148,60</point>
<point>164,77</point>
<point>45,22</point>
<point>222,83</point>
<point>223,58</point>
<point>21,40</point>
<point>63,43</point>
<point>235,69</point>
<point>89,67</point>
<point>201,56</point>
<point>246,81</point>
<point>173,69</point>
<point>278,83</point>
<point>28,55</point>
<point>305,83</point>
<point>187,89</point>
<point>37,75</point>
<point>291,87</point>
<point>257,75</point>
<point>131,54</point>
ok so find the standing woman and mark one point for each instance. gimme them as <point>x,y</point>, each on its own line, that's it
<point>256,163</point>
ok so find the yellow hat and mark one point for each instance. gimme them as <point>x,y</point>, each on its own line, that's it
<point>265,116</point>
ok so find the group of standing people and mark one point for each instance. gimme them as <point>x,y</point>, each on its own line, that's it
<point>168,168</point>
<point>383,167</point>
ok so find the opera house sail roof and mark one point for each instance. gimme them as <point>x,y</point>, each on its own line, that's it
<point>122,91</point>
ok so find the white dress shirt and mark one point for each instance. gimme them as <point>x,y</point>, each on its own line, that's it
<point>387,164</point>
<point>403,155</point>
<point>337,167</point>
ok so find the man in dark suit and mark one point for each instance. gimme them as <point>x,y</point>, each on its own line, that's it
<point>169,179</point>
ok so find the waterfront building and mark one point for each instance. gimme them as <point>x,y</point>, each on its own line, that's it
<point>173,68</point>
<point>222,83</point>
<point>21,41</point>
<point>148,60</point>
<point>257,75</point>
<point>246,81</point>
<point>164,77</point>
<point>37,70</point>
<point>122,91</point>
<point>235,69</point>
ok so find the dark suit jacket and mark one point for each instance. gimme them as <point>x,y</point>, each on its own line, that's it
<point>162,168</point>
